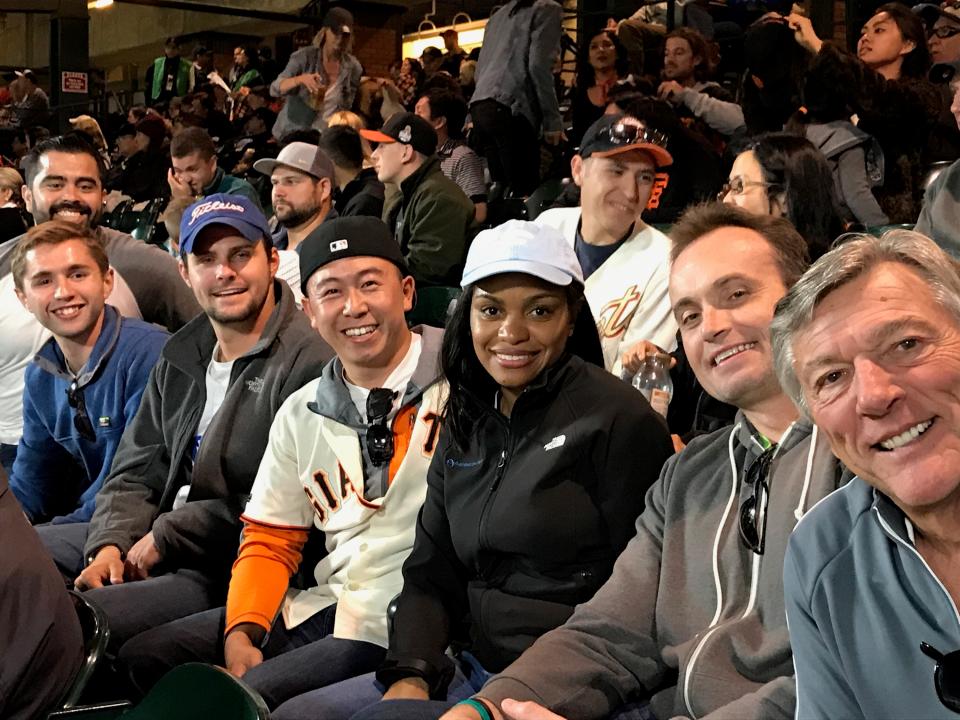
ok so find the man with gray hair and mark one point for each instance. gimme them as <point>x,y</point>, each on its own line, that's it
<point>868,344</point>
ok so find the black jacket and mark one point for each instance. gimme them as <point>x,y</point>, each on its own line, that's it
<point>153,459</point>
<point>527,522</point>
<point>361,196</point>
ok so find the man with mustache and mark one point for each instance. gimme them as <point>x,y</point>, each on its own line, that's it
<point>302,194</point>
<point>64,181</point>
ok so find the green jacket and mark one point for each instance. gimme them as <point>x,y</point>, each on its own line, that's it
<point>230,185</point>
<point>184,75</point>
<point>431,219</point>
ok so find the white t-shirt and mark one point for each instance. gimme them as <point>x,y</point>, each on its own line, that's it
<point>396,381</point>
<point>217,383</point>
<point>289,272</point>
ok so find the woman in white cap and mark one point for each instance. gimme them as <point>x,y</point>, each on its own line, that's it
<point>540,472</point>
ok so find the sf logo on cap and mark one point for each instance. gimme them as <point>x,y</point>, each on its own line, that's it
<point>405,134</point>
<point>338,245</point>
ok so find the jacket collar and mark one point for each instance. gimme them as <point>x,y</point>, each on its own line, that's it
<point>191,348</point>
<point>430,166</point>
<point>751,439</point>
<point>365,178</point>
<point>51,359</point>
<point>215,183</point>
<point>333,400</point>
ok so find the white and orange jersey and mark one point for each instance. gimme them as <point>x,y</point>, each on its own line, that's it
<point>628,293</point>
<point>312,475</point>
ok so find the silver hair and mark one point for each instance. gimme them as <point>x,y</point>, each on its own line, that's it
<point>855,255</point>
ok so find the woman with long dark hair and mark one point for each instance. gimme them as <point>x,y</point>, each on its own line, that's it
<point>600,66</point>
<point>539,474</point>
<point>784,175</point>
<point>891,96</point>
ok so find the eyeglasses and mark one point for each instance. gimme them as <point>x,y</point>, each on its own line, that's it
<point>81,421</point>
<point>737,186</point>
<point>946,676</point>
<point>945,31</point>
<point>379,437</point>
<point>630,131</point>
<point>753,512</point>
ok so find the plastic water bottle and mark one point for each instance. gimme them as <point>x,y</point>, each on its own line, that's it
<point>654,381</point>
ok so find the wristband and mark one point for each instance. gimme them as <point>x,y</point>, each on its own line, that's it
<point>479,707</point>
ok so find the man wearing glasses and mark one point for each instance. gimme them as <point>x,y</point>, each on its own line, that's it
<point>691,622</point>
<point>85,383</point>
<point>868,342</point>
<point>348,455</point>
<point>624,261</point>
<point>166,525</point>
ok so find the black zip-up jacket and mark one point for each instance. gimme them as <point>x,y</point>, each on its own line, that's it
<point>153,459</point>
<point>527,522</point>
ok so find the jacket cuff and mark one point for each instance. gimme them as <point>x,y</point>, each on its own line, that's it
<point>437,679</point>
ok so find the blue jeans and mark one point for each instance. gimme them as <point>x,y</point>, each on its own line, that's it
<point>295,661</point>
<point>363,694</point>
<point>8,453</point>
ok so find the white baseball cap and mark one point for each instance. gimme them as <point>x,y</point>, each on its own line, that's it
<point>518,246</point>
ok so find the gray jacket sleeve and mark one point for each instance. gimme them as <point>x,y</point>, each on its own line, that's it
<point>822,688</point>
<point>724,117</point>
<point>128,500</point>
<point>856,188</point>
<point>607,650</point>
<point>296,65</point>
<point>544,48</point>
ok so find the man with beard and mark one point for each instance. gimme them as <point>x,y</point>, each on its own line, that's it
<point>64,180</point>
<point>302,179</point>
<point>167,522</point>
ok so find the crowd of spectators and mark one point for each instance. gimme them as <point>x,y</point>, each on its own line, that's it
<point>228,436</point>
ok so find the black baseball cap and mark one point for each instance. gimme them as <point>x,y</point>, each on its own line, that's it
<point>408,128</point>
<point>344,237</point>
<point>339,19</point>
<point>619,133</point>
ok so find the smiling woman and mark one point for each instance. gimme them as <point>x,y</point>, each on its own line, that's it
<point>541,468</point>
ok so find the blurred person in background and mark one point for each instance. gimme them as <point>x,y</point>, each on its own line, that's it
<point>514,100</point>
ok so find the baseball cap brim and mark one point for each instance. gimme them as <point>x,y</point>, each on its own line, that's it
<point>268,165</point>
<point>661,157</point>
<point>377,136</point>
<point>527,267</point>
<point>248,230</point>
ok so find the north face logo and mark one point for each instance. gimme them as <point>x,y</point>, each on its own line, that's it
<point>255,385</point>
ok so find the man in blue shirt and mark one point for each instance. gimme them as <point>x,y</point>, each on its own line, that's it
<point>85,382</point>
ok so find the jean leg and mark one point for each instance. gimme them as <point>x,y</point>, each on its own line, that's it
<point>147,657</point>
<point>65,543</point>
<point>137,606</point>
<point>8,453</point>
<point>316,664</point>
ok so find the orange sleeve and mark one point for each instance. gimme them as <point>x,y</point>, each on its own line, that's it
<point>268,556</point>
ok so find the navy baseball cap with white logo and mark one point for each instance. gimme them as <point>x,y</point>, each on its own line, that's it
<point>343,237</point>
<point>235,211</point>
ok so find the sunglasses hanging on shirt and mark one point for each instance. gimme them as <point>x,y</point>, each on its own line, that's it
<point>81,421</point>
<point>753,512</point>
<point>946,676</point>
<point>379,437</point>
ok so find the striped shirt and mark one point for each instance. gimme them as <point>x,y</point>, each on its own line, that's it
<point>462,165</point>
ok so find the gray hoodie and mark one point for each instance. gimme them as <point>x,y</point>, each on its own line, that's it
<point>690,618</point>
<point>941,208</point>
<point>860,600</point>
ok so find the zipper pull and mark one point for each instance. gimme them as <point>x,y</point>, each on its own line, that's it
<point>499,473</point>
